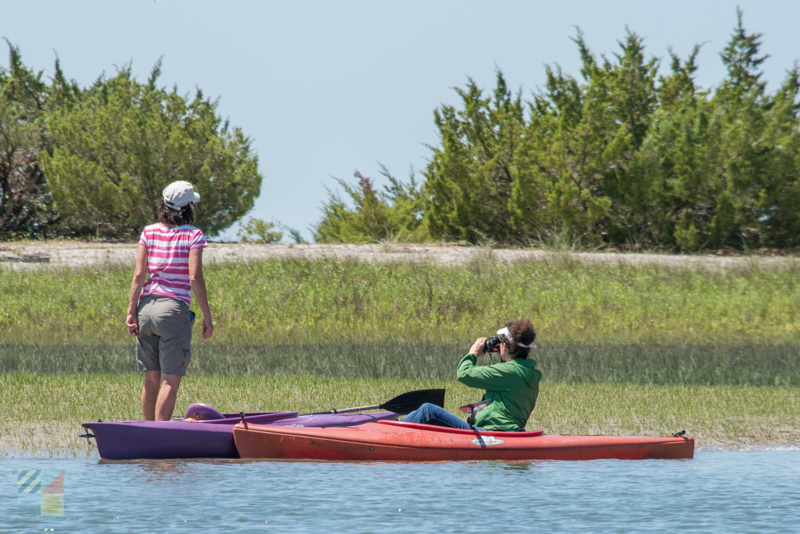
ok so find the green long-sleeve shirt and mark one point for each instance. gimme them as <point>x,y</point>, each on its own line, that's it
<point>512,387</point>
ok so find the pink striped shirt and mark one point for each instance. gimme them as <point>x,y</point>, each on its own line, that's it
<point>168,260</point>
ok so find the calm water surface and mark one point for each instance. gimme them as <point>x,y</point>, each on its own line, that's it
<point>718,491</point>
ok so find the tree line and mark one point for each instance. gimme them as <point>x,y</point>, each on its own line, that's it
<point>627,153</point>
<point>78,161</point>
<point>622,155</point>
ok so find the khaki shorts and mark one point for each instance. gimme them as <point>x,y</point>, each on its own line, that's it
<point>164,342</point>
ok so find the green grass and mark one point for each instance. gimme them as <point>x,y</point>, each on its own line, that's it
<point>327,302</point>
<point>743,365</point>
<point>624,349</point>
<point>43,412</point>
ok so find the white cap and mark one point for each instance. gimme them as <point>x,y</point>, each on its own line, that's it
<point>179,194</point>
<point>504,332</point>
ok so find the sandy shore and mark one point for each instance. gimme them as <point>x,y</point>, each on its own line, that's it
<point>77,254</point>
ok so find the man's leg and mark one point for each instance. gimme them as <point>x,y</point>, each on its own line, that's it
<point>152,381</point>
<point>166,396</point>
<point>430,414</point>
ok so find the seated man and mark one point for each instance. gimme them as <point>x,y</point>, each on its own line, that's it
<point>512,385</point>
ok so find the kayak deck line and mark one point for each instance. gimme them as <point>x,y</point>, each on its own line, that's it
<point>312,432</point>
<point>471,432</point>
<point>415,442</point>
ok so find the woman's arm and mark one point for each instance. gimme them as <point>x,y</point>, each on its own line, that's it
<point>139,279</point>
<point>199,288</point>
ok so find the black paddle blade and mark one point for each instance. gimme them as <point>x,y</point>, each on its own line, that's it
<point>408,402</point>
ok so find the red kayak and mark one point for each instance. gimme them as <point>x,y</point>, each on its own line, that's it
<point>411,442</point>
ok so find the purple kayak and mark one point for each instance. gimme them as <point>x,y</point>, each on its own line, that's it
<point>202,433</point>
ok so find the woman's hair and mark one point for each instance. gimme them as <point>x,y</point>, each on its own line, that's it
<point>167,215</point>
<point>521,332</point>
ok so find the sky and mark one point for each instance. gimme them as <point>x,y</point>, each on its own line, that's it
<point>325,88</point>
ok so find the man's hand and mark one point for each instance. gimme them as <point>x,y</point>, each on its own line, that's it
<point>208,328</point>
<point>478,346</point>
<point>133,324</point>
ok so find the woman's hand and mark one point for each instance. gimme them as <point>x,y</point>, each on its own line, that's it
<point>208,328</point>
<point>478,346</point>
<point>198,283</point>
<point>133,324</point>
<point>139,279</point>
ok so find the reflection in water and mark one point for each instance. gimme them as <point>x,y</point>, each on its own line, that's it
<point>522,465</point>
<point>503,468</point>
<point>166,471</point>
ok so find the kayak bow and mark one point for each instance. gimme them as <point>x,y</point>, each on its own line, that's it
<point>203,433</point>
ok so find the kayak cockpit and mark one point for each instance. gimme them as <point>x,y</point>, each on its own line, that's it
<point>471,432</point>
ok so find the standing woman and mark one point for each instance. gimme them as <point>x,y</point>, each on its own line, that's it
<point>169,266</point>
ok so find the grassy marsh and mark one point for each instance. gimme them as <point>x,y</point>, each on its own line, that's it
<point>330,302</point>
<point>741,365</point>
<point>625,349</point>
<point>44,412</point>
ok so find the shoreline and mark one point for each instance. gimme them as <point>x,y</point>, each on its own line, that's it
<point>90,451</point>
<point>44,412</point>
<point>74,255</point>
<point>79,454</point>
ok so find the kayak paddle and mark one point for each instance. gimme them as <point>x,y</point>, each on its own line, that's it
<point>402,404</point>
<point>474,408</point>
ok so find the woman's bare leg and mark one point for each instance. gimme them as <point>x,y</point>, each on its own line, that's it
<point>152,381</point>
<point>166,396</point>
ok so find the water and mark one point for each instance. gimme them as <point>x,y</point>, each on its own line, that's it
<point>718,491</point>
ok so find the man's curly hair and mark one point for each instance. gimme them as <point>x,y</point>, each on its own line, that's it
<point>521,331</point>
